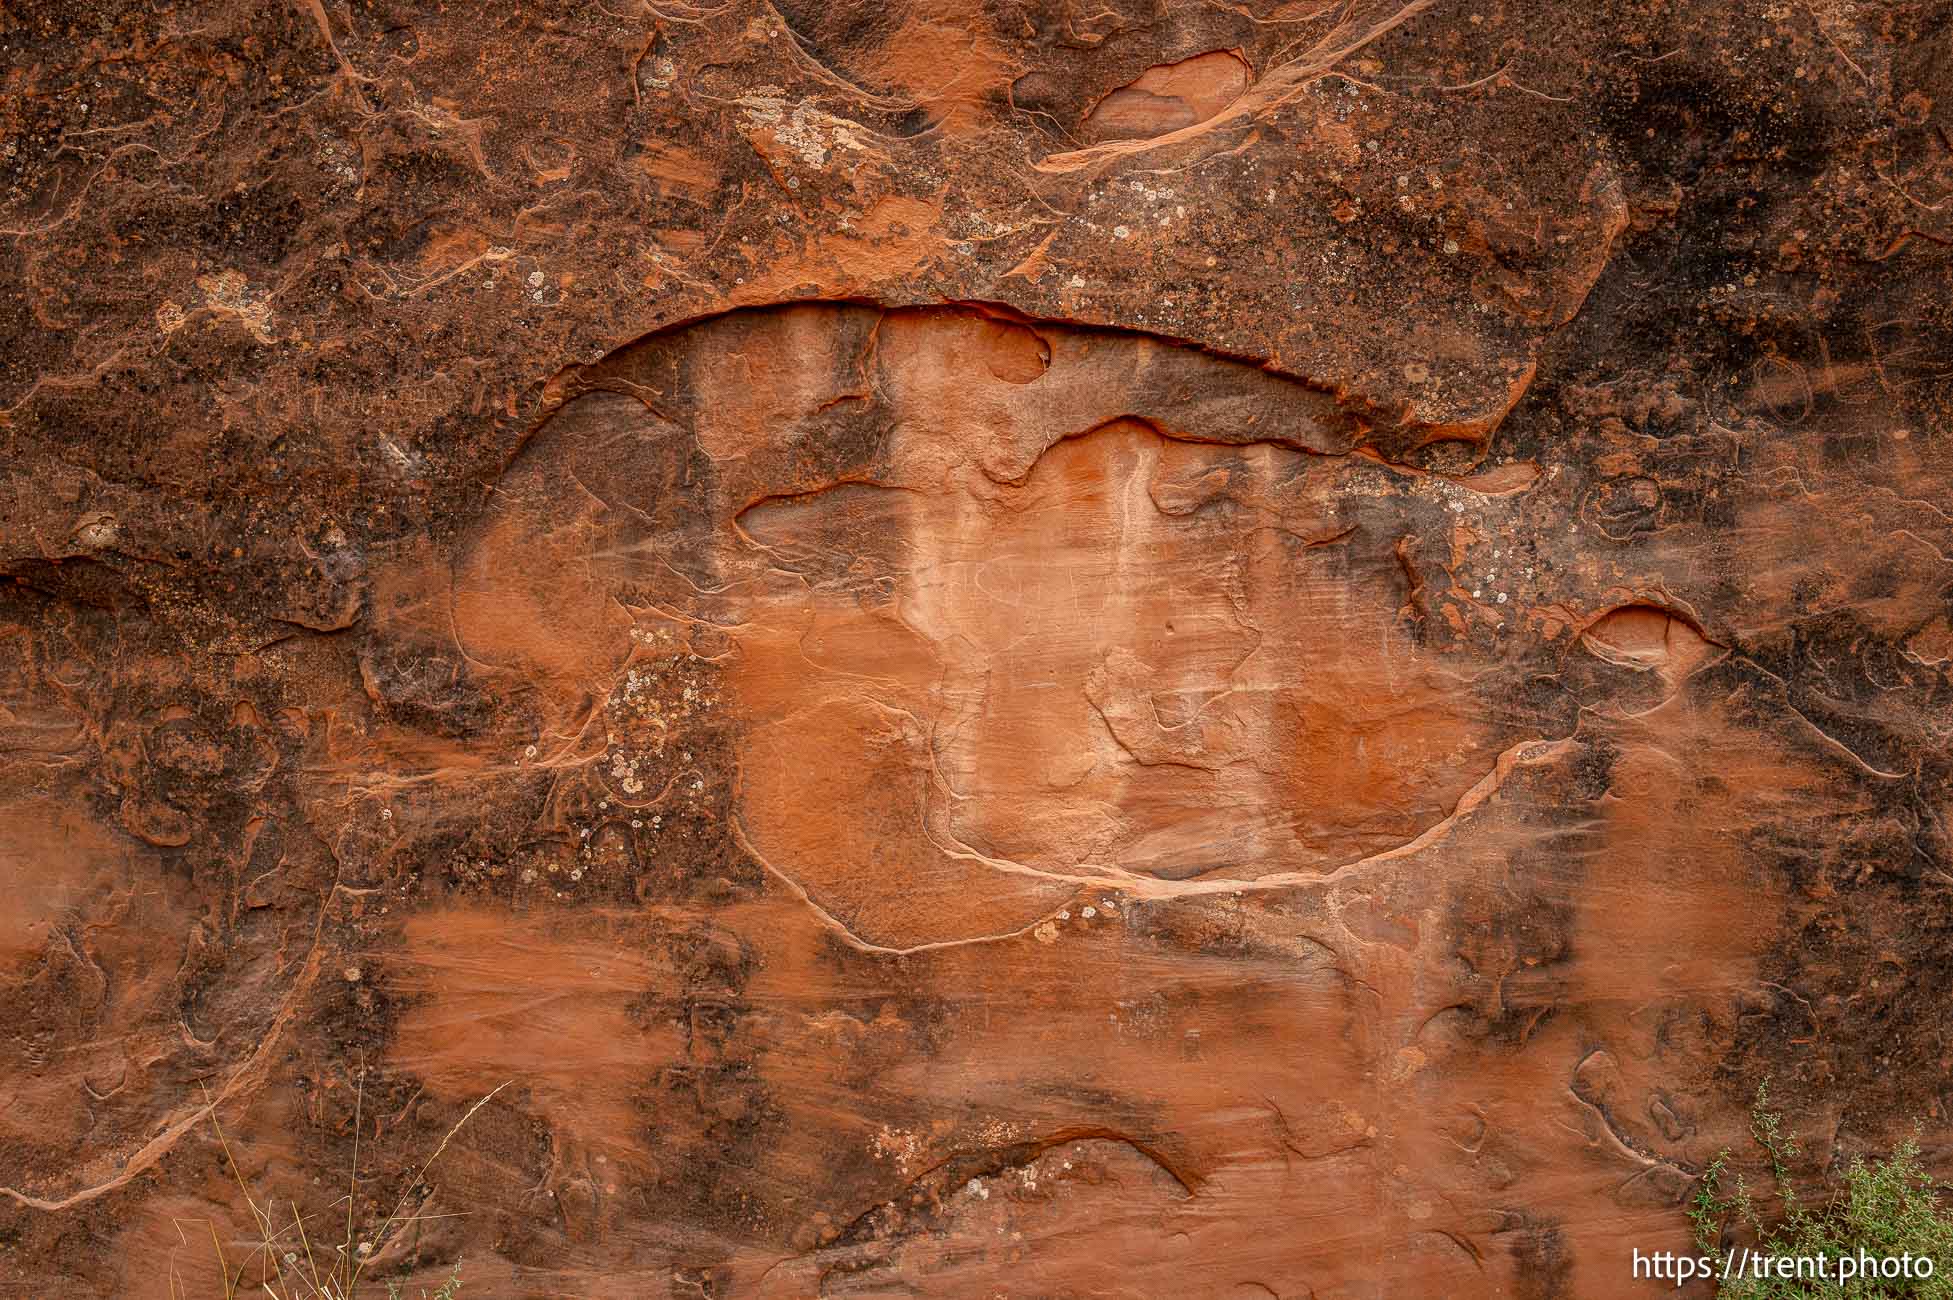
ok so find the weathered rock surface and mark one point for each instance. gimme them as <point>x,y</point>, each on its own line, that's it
<point>1026,649</point>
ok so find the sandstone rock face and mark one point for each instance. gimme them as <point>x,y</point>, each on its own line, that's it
<point>1027,649</point>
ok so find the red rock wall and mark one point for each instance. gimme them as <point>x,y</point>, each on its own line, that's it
<point>1021,649</point>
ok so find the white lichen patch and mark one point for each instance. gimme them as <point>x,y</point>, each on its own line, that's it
<point>98,531</point>
<point>658,73</point>
<point>900,1146</point>
<point>811,135</point>
<point>228,293</point>
<point>656,701</point>
<point>1000,1133</point>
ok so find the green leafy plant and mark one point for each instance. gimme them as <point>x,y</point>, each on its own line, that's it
<point>1885,1209</point>
<point>284,1262</point>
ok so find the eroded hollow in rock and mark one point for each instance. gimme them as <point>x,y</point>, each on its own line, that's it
<point>1040,603</point>
<point>1646,636</point>
<point>1169,97</point>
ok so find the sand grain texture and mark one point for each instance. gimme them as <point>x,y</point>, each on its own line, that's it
<point>1037,649</point>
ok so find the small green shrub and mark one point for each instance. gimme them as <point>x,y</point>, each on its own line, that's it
<point>1885,1209</point>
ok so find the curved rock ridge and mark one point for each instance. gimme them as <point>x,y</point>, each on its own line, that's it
<point>1057,605</point>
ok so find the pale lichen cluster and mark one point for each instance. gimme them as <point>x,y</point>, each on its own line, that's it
<point>657,703</point>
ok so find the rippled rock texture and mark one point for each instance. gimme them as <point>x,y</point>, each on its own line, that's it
<point>1032,649</point>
